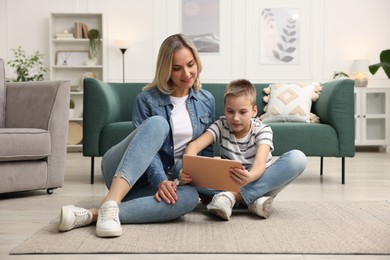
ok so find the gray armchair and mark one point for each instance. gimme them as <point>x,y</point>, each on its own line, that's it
<point>33,134</point>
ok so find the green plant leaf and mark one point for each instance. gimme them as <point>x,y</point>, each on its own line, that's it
<point>28,67</point>
<point>384,63</point>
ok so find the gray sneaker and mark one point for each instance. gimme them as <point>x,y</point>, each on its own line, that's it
<point>108,224</point>
<point>73,217</point>
<point>222,204</point>
<point>261,206</point>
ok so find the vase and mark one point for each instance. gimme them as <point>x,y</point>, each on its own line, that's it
<point>71,113</point>
<point>91,61</point>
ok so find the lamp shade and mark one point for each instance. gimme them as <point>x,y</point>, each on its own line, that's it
<point>122,43</point>
<point>360,65</point>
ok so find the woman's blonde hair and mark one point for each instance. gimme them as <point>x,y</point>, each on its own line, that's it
<point>162,78</point>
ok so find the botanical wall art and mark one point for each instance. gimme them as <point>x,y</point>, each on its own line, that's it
<point>200,21</point>
<point>279,36</point>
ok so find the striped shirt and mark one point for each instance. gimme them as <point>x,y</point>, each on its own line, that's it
<point>243,149</point>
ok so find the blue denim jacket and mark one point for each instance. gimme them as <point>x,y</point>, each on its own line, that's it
<point>152,102</point>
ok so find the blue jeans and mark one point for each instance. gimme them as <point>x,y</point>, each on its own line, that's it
<point>274,179</point>
<point>129,160</point>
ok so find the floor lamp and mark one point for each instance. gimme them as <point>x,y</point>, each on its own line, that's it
<point>123,50</point>
<point>123,46</point>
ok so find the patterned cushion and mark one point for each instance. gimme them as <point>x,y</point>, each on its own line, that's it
<point>290,102</point>
<point>2,94</point>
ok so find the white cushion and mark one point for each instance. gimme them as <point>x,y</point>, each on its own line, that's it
<point>290,102</point>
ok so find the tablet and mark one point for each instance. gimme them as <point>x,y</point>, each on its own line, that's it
<point>210,172</point>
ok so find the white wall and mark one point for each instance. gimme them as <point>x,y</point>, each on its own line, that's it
<point>334,33</point>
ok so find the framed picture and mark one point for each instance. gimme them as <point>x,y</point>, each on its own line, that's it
<point>200,21</point>
<point>282,40</point>
<point>279,36</point>
<point>71,58</point>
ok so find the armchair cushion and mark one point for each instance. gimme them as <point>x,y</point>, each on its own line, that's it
<point>23,144</point>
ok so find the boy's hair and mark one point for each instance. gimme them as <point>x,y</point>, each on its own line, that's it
<point>241,87</point>
<point>162,78</point>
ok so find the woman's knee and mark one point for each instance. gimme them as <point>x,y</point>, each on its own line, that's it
<point>189,196</point>
<point>156,127</point>
<point>159,123</point>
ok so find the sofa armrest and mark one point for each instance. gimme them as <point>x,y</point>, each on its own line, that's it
<point>105,103</point>
<point>335,107</point>
<point>30,104</point>
<point>100,106</point>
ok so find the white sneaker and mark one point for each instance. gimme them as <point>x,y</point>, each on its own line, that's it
<point>108,224</point>
<point>261,206</point>
<point>222,204</point>
<point>73,217</point>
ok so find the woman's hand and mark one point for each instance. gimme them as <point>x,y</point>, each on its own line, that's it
<point>184,178</point>
<point>240,176</point>
<point>167,191</point>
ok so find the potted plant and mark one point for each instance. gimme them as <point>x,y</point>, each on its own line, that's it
<point>340,75</point>
<point>71,108</point>
<point>94,45</point>
<point>28,68</point>
<point>384,58</point>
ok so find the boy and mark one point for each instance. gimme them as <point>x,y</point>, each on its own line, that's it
<point>245,138</point>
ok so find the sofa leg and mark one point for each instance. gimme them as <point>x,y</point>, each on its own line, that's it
<point>322,166</point>
<point>342,170</point>
<point>92,169</point>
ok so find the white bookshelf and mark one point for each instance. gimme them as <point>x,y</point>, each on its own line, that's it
<point>73,51</point>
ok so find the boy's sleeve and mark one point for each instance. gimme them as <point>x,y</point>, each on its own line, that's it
<point>215,130</point>
<point>265,136</point>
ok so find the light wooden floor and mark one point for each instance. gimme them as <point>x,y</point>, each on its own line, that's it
<point>22,214</point>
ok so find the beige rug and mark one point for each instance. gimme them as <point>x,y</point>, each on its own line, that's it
<point>337,227</point>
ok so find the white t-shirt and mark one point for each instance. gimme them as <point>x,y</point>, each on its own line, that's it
<point>182,127</point>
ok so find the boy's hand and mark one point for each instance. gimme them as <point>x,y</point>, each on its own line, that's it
<point>240,176</point>
<point>167,191</point>
<point>184,178</point>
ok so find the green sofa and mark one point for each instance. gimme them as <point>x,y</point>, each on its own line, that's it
<point>108,111</point>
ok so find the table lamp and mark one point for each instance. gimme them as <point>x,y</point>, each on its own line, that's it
<point>359,72</point>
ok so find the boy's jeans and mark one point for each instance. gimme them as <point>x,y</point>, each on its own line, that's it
<point>274,179</point>
<point>129,160</point>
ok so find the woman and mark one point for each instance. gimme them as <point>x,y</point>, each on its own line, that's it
<point>140,171</point>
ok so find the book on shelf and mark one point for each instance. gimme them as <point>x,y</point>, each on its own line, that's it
<point>80,30</point>
<point>64,36</point>
<point>75,88</point>
<point>84,30</point>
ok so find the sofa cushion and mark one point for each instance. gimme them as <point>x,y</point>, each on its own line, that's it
<point>19,144</point>
<point>290,102</point>
<point>311,139</point>
<point>2,94</point>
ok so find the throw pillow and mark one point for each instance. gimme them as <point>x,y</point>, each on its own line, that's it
<point>290,102</point>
